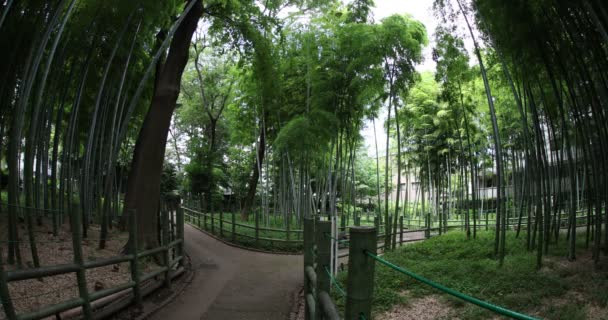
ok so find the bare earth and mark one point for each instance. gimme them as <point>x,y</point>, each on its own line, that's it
<point>232,283</point>
<point>426,308</point>
<point>32,295</point>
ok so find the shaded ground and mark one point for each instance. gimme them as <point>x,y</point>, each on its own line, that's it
<point>562,289</point>
<point>232,283</point>
<point>31,295</point>
<point>425,308</point>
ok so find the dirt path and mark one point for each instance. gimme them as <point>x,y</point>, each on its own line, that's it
<point>231,283</point>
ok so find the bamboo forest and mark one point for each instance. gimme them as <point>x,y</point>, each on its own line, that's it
<point>304,159</point>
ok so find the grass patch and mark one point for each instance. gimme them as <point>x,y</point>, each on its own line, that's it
<point>469,266</point>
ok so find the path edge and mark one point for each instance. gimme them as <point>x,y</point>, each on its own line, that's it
<point>173,296</point>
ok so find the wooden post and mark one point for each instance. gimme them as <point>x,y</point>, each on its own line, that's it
<point>134,263</point>
<point>323,243</point>
<point>5,296</point>
<point>212,222</point>
<point>167,258</point>
<point>288,232</point>
<point>180,235</point>
<point>172,226</point>
<point>427,232</point>
<point>309,260</point>
<point>360,285</point>
<point>388,231</point>
<point>233,226</point>
<point>257,227</point>
<point>401,230</point>
<point>75,219</point>
<point>221,223</point>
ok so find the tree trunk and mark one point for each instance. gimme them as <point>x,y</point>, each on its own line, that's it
<point>500,218</point>
<point>255,176</point>
<point>146,167</point>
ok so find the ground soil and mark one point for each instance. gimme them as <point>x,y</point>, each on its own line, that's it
<point>580,274</point>
<point>426,308</point>
<point>31,295</point>
<point>577,273</point>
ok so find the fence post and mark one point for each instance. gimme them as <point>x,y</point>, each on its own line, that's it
<point>172,225</point>
<point>360,280</point>
<point>75,219</point>
<point>388,232</point>
<point>5,295</point>
<point>221,222</point>
<point>165,232</point>
<point>401,230</point>
<point>257,227</point>
<point>427,232</point>
<point>134,263</point>
<point>309,259</point>
<point>212,222</point>
<point>288,232</point>
<point>323,243</point>
<point>233,226</point>
<point>180,235</point>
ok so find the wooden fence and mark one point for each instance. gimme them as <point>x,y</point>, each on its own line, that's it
<point>318,277</point>
<point>363,257</point>
<point>171,249</point>
<point>216,224</point>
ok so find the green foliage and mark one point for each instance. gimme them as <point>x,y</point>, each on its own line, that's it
<point>307,133</point>
<point>169,182</point>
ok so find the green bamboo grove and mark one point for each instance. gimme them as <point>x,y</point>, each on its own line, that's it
<point>109,108</point>
<point>550,58</point>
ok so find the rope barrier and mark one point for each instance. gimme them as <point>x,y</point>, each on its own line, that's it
<point>335,283</point>
<point>481,303</point>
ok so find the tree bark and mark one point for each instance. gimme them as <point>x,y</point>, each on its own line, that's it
<point>253,180</point>
<point>146,168</point>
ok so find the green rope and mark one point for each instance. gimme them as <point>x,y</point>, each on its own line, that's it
<point>335,282</point>
<point>455,293</point>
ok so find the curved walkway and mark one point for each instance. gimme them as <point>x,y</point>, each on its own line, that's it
<point>233,284</point>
